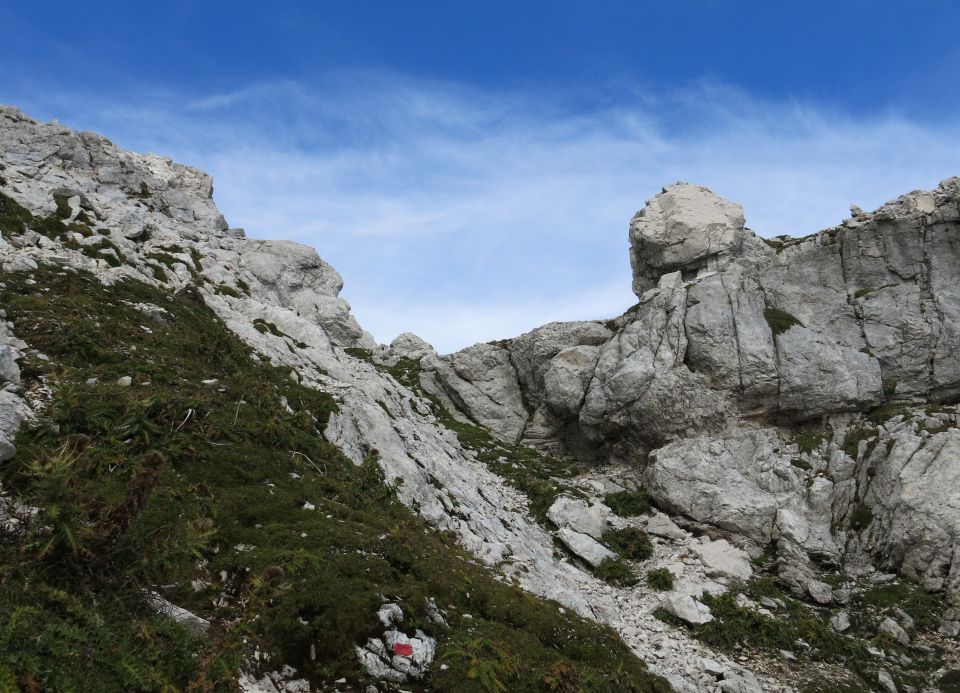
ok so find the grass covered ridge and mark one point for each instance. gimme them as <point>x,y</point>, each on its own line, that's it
<point>175,481</point>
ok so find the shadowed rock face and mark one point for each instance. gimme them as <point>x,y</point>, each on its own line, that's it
<point>733,332</point>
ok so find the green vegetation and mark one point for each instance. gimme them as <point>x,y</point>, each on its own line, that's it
<point>923,607</point>
<point>175,482</point>
<point>809,441</point>
<point>224,290</point>
<point>779,320</point>
<point>63,210</point>
<point>735,627</point>
<point>616,571</point>
<point>853,437</point>
<point>629,503</point>
<point>358,353</point>
<point>885,412</point>
<point>15,219</point>
<point>660,579</point>
<point>861,517</point>
<point>629,542</point>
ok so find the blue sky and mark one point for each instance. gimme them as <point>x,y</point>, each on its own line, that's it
<point>470,168</point>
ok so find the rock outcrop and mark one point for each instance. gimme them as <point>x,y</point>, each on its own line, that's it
<point>735,343</point>
<point>736,391</point>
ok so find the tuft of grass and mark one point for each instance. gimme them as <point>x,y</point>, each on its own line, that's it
<point>660,579</point>
<point>779,320</point>
<point>63,210</point>
<point>616,572</point>
<point>359,353</point>
<point>629,503</point>
<point>885,412</point>
<point>853,437</point>
<point>861,517</point>
<point>809,441</point>
<point>923,607</point>
<point>224,290</point>
<point>630,542</point>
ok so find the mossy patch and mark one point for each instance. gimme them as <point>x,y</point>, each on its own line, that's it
<point>629,503</point>
<point>809,441</point>
<point>629,542</point>
<point>779,320</point>
<point>616,571</point>
<point>660,579</point>
<point>861,517</point>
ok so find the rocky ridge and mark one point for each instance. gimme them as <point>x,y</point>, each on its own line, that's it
<point>737,349</point>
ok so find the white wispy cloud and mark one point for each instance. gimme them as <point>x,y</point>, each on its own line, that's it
<point>464,215</point>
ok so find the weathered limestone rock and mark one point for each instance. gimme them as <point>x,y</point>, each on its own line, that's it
<point>821,592</point>
<point>684,227</point>
<point>409,345</point>
<point>579,516</point>
<point>180,615</point>
<point>482,383</point>
<point>686,608</point>
<point>722,560</point>
<point>660,525</point>
<point>584,546</point>
<point>840,621</point>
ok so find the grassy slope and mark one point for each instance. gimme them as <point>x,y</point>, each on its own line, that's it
<point>137,493</point>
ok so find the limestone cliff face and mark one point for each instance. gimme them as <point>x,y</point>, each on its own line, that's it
<point>735,342</point>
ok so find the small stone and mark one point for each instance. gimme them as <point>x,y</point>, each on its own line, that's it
<point>307,505</point>
<point>787,654</point>
<point>949,628</point>
<point>91,382</point>
<point>390,614</point>
<point>885,680</point>
<point>895,631</point>
<point>210,382</point>
<point>660,525</point>
<point>125,381</point>
<point>579,516</point>
<point>712,667</point>
<point>905,619</point>
<point>840,621</point>
<point>821,592</point>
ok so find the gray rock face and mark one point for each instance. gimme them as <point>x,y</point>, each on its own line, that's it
<point>731,329</point>
<point>579,516</point>
<point>482,382</point>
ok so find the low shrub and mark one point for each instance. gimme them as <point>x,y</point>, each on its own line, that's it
<point>660,579</point>
<point>629,503</point>
<point>630,542</point>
